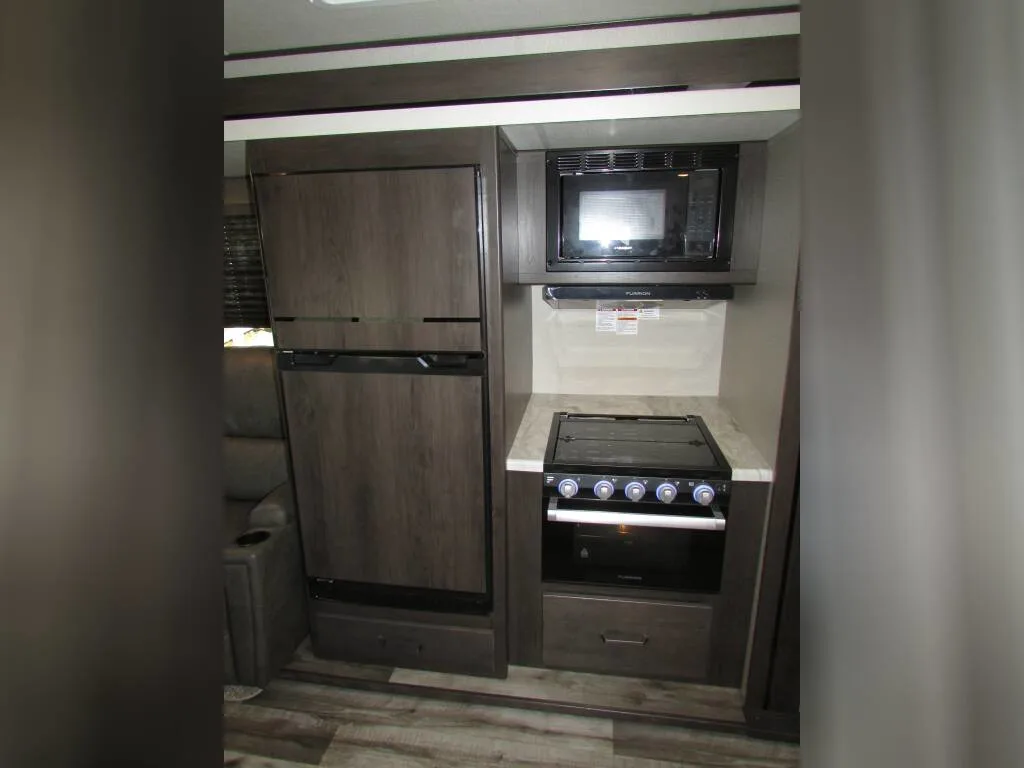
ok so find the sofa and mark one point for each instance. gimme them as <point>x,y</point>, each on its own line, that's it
<point>265,615</point>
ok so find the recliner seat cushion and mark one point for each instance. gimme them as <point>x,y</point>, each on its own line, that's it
<point>251,407</point>
<point>253,467</point>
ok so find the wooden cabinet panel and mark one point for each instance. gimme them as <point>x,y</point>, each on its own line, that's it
<point>704,62</point>
<point>625,637</point>
<point>784,682</point>
<point>372,244</point>
<point>404,644</point>
<point>411,336</point>
<point>389,477</point>
<point>525,635</point>
<point>730,631</point>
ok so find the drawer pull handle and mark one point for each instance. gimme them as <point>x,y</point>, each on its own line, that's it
<point>623,641</point>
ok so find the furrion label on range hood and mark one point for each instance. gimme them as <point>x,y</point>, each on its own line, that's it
<point>559,295</point>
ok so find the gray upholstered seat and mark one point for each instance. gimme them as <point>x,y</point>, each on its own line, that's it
<point>265,612</point>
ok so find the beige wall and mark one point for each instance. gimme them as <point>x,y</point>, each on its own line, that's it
<point>757,332</point>
<point>678,354</point>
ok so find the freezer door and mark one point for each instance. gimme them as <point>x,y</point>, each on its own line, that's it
<point>398,245</point>
<point>389,477</point>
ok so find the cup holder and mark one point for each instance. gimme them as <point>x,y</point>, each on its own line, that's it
<point>252,538</point>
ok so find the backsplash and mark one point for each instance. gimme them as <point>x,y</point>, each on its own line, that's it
<point>678,354</point>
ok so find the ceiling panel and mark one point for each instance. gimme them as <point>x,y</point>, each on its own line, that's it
<point>273,25</point>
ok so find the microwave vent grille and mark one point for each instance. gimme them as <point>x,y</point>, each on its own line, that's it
<point>570,163</point>
<point>626,161</point>
<point>597,161</point>
<point>685,159</point>
<point>656,160</point>
<point>644,160</point>
<point>712,156</point>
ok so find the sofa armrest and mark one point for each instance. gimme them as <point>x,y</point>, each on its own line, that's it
<point>277,508</point>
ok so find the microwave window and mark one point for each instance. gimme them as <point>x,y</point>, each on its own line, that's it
<point>638,216</point>
<point>622,215</point>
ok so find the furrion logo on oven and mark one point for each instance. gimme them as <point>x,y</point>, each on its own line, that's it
<point>638,293</point>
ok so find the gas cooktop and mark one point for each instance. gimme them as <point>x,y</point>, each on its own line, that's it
<point>633,443</point>
<point>606,456</point>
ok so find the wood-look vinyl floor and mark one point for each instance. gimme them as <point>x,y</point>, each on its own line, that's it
<point>549,685</point>
<point>294,723</point>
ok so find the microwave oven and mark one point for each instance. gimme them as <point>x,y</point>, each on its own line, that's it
<point>642,209</point>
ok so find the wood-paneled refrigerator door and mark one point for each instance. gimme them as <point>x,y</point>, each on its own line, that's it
<point>396,245</point>
<point>389,476</point>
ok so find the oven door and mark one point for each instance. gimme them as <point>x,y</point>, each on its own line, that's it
<point>678,547</point>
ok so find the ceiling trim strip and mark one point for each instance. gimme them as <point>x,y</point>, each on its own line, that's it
<point>628,36</point>
<point>673,104</point>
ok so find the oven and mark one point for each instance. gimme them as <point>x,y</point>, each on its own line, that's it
<point>611,518</point>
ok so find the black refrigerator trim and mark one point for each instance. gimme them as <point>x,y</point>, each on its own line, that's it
<point>409,363</point>
<point>485,384</point>
<point>395,596</point>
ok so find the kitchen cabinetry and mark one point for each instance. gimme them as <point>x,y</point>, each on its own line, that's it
<point>696,637</point>
<point>641,638</point>
<point>404,643</point>
<point>385,294</point>
<point>534,223</point>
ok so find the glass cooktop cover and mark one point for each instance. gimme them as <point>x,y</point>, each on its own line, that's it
<point>673,444</point>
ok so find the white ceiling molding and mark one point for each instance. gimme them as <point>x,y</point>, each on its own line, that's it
<point>539,111</point>
<point>650,131</point>
<point>631,36</point>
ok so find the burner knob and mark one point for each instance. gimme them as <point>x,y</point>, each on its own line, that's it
<point>635,491</point>
<point>603,489</point>
<point>666,492</point>
<point>568,488</point>
<point>704,494</point>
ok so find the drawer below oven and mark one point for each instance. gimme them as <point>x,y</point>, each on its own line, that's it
<point>627,637</point>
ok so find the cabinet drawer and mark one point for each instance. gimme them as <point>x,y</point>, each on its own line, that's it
<point>625,637</point>
<point>467,650</point>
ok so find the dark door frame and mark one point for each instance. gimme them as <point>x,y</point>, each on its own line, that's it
<point>781,543</point>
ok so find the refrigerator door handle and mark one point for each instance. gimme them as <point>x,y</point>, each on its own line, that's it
<point>423,363</point>
<point>438,360</point>
<point>311,359</point>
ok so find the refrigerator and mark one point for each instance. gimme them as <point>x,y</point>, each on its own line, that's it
<point>374,285</point>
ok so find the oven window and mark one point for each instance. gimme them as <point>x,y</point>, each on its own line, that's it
<point>659,558</point>
<point>638,216</point>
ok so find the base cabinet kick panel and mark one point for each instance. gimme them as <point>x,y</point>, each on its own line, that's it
<point>369,640</point>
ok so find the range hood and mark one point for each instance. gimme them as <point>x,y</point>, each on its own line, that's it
<point>571,296</point>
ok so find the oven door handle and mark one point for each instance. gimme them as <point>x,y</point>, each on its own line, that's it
<point>602,517</point>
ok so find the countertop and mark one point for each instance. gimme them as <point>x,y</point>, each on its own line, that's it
<point>527,454</point>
